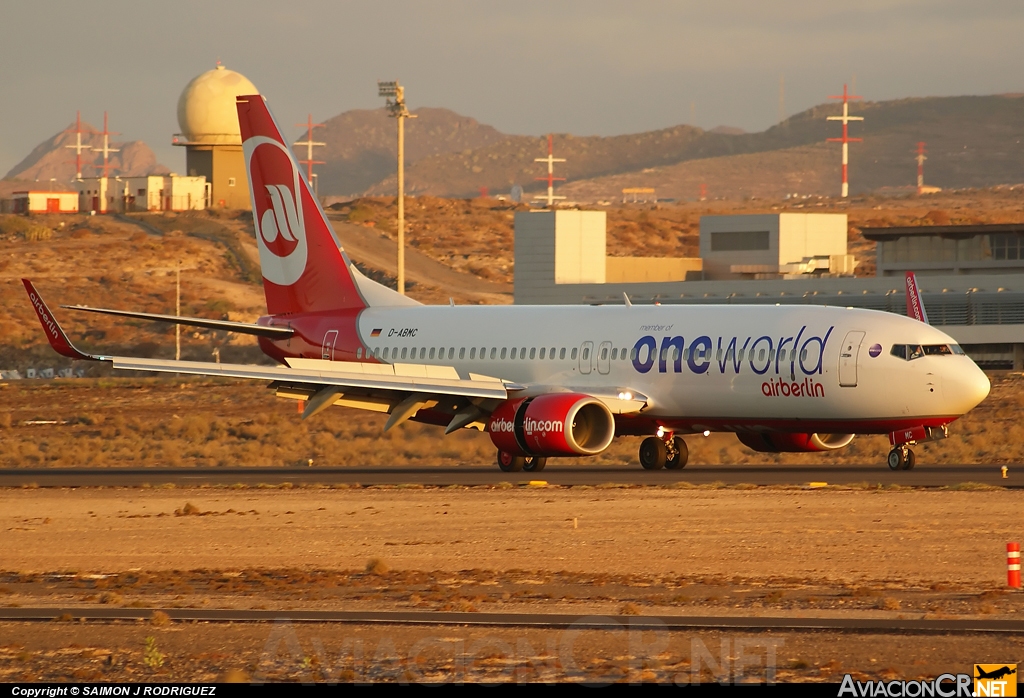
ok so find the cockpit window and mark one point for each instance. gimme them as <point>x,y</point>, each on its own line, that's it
<point>909,352</point>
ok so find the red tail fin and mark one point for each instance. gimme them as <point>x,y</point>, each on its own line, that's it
<point>303,269</point>
<point>915,306</point>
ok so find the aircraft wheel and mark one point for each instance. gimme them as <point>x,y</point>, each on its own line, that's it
<point>910,460</point>
<point>534,464</point>
<point>509,463</point>
<point>653,453</point>
<point>897,459</point>
<point>678,461</point>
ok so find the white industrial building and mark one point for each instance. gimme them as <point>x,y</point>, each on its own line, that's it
<point>777,245</point>
<point>145,193</point>
<point>43,201</point>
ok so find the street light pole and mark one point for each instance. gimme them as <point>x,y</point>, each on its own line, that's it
<point>395,95</point>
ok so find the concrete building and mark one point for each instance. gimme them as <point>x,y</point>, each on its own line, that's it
<point>44,201</point>
<point>211,137</point>
<point>949,249</point>
<point>786,245</point>
<point>146,193</point>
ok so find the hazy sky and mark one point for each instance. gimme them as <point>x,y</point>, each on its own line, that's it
<point>589,67</point>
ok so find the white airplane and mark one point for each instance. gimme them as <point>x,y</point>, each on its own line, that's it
<point>549,381</point>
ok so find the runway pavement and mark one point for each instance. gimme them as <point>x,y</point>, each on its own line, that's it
<point>536,620</point>
<point>556,474</point>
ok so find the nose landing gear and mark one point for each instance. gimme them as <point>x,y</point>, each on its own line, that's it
<point>901,457</point>
<point>665,451</point>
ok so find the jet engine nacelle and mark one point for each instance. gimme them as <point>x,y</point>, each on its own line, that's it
<point>780,442</point>
<point>559,424</point>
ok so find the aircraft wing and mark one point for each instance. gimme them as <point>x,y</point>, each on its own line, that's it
<point>399,389</point>
<point>226,325</point>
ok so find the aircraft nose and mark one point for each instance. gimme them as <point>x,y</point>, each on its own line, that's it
<point>965,387</point>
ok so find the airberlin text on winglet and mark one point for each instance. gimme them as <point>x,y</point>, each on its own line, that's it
<point>762,354</point>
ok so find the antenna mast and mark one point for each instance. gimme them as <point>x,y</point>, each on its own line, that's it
<point>78,146</point>
<point>845,140</point>
<point>920,166</point>
<point>310,144</point>
<point>550,179</point>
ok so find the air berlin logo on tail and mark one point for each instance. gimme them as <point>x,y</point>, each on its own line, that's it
<point>277,210</point>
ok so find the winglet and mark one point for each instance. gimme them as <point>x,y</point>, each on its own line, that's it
<point>58,340</point>
<point>915,306</point>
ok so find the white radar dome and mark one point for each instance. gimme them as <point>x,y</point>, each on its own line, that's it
<point>206,108</point>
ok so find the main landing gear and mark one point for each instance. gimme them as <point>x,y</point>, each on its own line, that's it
<point>902,458</point>
<point>666,451</point>
<point>513,464</point>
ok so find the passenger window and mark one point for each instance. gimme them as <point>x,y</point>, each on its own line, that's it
<point>432,352</point>
<point>543,350</point>
<point>462,353</point>
<point>782,355</point>
<point>718,356</point>
<point>604,353</point>
<point>423,352</point>
<point>573,354</point>
<point>586,354</point>
<point>615,354</point>
<point>803,355</point>
<point>503,350</point>
<point>760,355</point>
<point>451,353</point>
<point>522,353</point>
<point>472,353</point>
<point>359,353</point>
<point>494,352</point>
<point>552,353</point>
<point>385,352</point>
<point>632,354</point>
<point>533,353</point>
<point>561,353</point>
<point>404,350</point>
<point>513,353</point>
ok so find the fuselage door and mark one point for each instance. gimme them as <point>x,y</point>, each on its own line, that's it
<point>848,354</point>
<point>604,361</point>
<point>328,349</point>
<point>587,357</point>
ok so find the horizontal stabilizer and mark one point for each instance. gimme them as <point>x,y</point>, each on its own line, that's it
<point>224,325</point>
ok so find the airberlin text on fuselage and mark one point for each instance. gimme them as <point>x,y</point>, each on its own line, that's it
<point>762,354</point>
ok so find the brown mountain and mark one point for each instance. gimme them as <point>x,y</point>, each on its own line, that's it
<point>362,145</point>
<point>51,159</point>
<point>972,142</point>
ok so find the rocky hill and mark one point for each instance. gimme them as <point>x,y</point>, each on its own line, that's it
<point>972,142</point>
<point>362,145</point>
<point>51,159</point>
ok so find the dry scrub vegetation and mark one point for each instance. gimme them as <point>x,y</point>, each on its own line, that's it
<point>194,422</point>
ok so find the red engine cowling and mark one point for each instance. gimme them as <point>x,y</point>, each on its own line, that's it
<point>560,424</point>
<point>782,442</point>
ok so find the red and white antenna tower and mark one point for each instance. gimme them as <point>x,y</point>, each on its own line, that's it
<point>310,144</point>
<point>78,146</point>
<point>920,165</point>
<point>550,179</point>
<point>845,140</point>
<point>106,149</point>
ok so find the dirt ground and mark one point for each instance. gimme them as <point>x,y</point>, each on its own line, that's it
<point>579,550</point>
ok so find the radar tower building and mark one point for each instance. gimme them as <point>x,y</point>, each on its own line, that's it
<point>211,137</point>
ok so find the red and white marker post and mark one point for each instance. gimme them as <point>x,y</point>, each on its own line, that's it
<point>1013,565</point>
